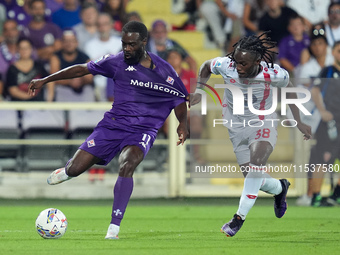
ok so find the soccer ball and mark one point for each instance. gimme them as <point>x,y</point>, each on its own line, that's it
<point>51,223</point>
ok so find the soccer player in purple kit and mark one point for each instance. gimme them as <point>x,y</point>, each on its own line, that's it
<point>146,90</point>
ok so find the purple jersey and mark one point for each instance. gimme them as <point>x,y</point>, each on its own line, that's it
<point>291,49</point>
<point>143,98</point>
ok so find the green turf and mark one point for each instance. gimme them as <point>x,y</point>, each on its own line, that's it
<point>170,227</point>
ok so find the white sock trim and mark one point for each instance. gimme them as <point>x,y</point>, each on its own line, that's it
<point>243,217</point>
<point>252,185</point>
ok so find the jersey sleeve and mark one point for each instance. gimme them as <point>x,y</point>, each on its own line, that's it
<point>178,82</point>
<point>279,77</point>
<point>105,65</point>
<point>219,65</point>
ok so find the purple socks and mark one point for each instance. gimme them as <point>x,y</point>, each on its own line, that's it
<point>121,196</point>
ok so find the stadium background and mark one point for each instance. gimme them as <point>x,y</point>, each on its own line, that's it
<point>166,171</point>
<point>163,217</point>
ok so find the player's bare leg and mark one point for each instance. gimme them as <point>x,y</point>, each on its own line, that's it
<point>256,179</point>
<point>80,162</point>
<point>129,159</point>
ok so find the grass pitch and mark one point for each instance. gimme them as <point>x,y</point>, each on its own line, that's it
<point>182,226</point>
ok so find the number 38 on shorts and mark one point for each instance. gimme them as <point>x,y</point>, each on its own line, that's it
<point>267,133</point>
<point>264,133</point>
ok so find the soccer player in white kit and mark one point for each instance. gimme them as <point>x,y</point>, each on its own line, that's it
<point>251,65</point>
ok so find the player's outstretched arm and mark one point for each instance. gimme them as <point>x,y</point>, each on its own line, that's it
<point>304,129</point>
<point>194,98</point>
<point>182,129</point>
<point>203,76</point>
<point>66,73</point>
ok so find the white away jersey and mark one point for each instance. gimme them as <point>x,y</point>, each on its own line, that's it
<point>261,86</point>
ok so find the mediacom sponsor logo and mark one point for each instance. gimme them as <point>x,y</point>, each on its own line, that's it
<point>158,86</point>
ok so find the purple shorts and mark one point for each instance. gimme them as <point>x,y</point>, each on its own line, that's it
<point>105,142</point>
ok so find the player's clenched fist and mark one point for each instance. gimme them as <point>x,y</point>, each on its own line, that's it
<point>194,98</point>
<point>35,84</point>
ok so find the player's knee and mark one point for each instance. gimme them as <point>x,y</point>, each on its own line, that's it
<point>260,152</point>
<point>128,166</point>
<point>128,161</point>
<point>126,169</point>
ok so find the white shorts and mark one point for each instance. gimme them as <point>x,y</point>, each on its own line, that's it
<point>243,136</point>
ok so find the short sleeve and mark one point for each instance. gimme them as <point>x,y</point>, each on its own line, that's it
<point>178,82</point>
<point>280,77</point>
<point>105,65</point>
<point>219,65</point>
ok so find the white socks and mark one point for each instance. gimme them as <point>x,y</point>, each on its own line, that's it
<point>257,179</point>
<point>271,185</point>
<point>252,185</point>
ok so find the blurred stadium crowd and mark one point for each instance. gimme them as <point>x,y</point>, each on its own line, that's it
<point>38,37</point>
<point>43,36</point>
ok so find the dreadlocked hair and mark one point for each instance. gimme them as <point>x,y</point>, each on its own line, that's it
<point>255,44</point>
